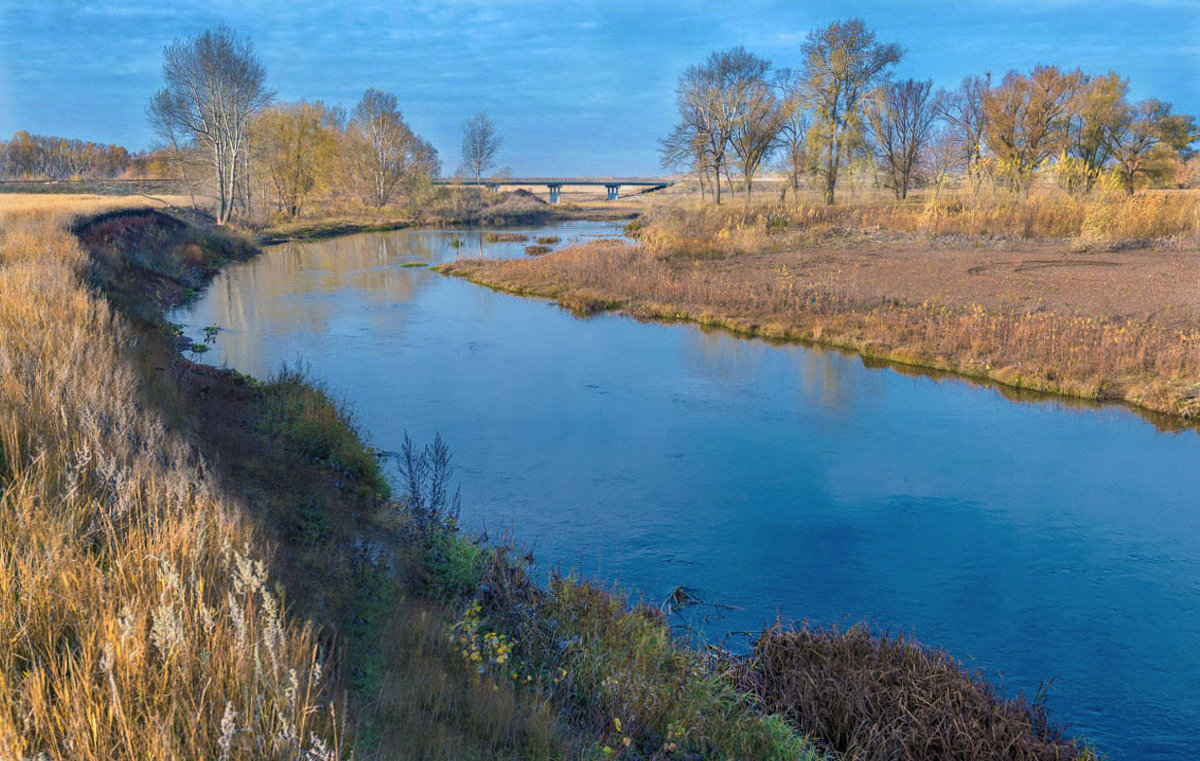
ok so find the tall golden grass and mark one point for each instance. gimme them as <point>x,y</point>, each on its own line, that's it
<point>138,619</point>
<point>139,611</point>
<point>1104,220</point>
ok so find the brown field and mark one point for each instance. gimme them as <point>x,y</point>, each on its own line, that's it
<point>79,203</point>
<point>1024,293</point>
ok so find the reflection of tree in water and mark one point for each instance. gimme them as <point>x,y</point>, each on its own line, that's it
<point>822,375</point>
<point>284,288</point>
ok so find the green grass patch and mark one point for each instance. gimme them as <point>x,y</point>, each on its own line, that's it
<point>453,563</point>
<point>301,411</point>
<point>504,238</point>
<point>614,670</point>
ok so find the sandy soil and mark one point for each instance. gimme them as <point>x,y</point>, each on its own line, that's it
<point>1147,284</point>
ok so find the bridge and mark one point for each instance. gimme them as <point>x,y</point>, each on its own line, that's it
<point>612,185</point>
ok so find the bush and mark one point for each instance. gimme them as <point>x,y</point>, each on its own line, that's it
<point>504,238</point>
<point>879,697</point>
<point>300,410</point>
<point>616,671</point>
<point>453,564</point>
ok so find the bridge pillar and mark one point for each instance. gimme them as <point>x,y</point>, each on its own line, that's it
<point>613,191</point>
<point>494,187</point>
<point>555,190</point>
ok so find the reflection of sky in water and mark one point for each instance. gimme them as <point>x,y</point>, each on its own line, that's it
<point>1036,540</point>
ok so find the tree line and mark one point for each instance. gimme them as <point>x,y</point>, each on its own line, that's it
<point>218,124</point>
<point>28,156</point>
<point>220,130</point>
<point>840,107</point>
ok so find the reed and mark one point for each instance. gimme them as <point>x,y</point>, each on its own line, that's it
<point>138,617</point>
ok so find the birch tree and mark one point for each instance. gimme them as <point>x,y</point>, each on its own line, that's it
<point>215,87</point>
<point>480,144</point>
<point>382,151</point>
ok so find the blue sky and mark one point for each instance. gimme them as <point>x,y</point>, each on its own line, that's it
<point>574,87</point>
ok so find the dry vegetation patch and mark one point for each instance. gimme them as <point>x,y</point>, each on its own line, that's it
<point>884,697</point>
<point>1041,313</point>
<point>138,619</point>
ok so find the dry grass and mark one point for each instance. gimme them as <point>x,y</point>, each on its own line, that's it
<point>73,204</point>
<point>687,228</point>
<point>882,697</point>
<point>141,611</point>
<point>1129,331</point>
<point>137,617</point>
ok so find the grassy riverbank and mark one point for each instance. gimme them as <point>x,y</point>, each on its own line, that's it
<point>1062,296</point>
<point>198,564</point>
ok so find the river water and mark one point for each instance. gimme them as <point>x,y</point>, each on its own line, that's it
<point>1036,540</point>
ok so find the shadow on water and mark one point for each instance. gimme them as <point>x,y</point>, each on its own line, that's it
<point>1162,422</point>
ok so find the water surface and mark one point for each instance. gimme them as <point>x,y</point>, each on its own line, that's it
<point>1036,540</point>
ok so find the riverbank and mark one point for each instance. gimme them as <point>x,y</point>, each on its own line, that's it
<point>1050,315</point>
<point>377,647</point>
<point>430,645</point>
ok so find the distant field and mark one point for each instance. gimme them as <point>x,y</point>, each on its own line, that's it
<point>92,187</point>
<point>76,204</point>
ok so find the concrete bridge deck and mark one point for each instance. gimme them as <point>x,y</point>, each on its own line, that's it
<point>555,185</point>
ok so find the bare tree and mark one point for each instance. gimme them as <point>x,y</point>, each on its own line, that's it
<point>700,129</point>
<point>843,63</point>
<point>755,134</point>
<point>686,149</point>
<point>480,143</point>
<point>962,110</point>
<point>943,153</point>
<point>382,152</point>
<point>901,120</point>
<point>715,99</point>
<point>793,129</point>
<point>215,86</point>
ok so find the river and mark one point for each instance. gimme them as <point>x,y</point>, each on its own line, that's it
<point>1036,540</point>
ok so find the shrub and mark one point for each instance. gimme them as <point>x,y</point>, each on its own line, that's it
<point>504,238</point>
<point>618,672</point>
<point>878,697</point>
<point>454,564</point>
<point>301,411</point>
<point>537,250</point>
